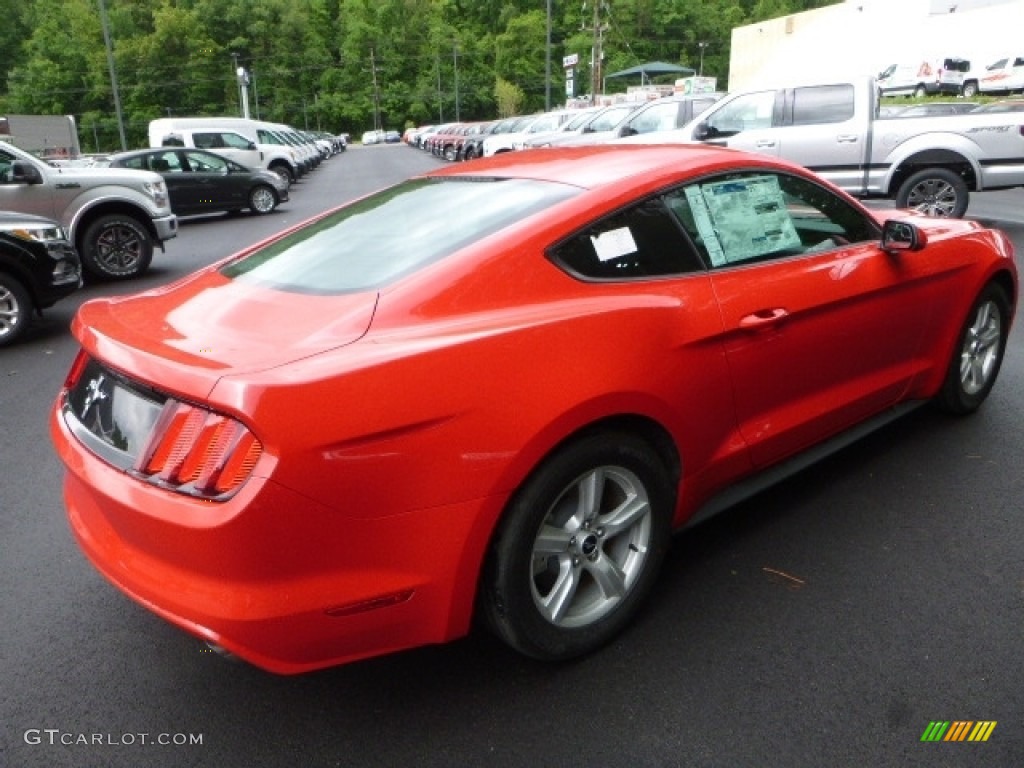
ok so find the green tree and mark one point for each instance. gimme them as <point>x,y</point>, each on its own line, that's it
<point>509,97</point>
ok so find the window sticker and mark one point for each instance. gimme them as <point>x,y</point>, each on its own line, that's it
<point>613,244</point>
<point>741,219</point>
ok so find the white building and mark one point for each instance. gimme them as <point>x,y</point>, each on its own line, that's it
<point>862,37</point>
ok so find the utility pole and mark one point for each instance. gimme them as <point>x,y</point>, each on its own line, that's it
<point>547,65</point>
<point>455,60</point>
<point>238,82</point>
<point>376,92</point>
<point>113,74</point>
<point>597,54</point>
<point>440,98</point>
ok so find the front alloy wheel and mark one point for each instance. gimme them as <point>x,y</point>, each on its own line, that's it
<point>979,353</point>
<point>579,547</point>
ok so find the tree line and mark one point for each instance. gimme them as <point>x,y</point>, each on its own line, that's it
<point>342,65</point>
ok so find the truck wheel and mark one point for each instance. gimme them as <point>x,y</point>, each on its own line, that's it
<point>116,247</point>
<point>262,199</point>
<point>15,309</point>
<point>920,92</point>
<point>970,90</point>
<point>937,192</point>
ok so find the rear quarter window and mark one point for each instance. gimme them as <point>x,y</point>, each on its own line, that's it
<point>822,104</point>
<point>641,242</point>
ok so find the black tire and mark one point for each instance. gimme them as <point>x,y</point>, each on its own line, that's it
<point>262,199</point>
<point>15,309</point>
<point>978,355</point>
<point>970,90</point>
<point>606,554</point>
<point>449,154</point>
<point>935,192</point>
<point>284,172</point>
<point>116,247</point>
<point>920,92</point>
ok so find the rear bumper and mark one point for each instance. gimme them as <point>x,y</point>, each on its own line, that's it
<point>275,578</point>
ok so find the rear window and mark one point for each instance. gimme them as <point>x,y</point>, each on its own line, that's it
<point>957,65</point>
<point>393,233</point>
<point>822,104</point>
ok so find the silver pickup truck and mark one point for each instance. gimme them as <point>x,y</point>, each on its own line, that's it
<point>114,217</point>
<point>929,163</point>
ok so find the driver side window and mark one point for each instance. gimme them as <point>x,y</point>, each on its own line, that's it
<point>740,218</point>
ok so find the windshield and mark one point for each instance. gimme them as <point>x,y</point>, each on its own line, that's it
<point>393,233</point>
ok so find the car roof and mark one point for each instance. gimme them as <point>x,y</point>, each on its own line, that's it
<point>602,165</point>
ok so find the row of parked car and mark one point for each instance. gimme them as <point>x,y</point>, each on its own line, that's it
<point>204,163</point>
<point>587,125</point>
<point>958,107</point>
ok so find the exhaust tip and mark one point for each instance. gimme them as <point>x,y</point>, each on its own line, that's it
<point>221,651</point>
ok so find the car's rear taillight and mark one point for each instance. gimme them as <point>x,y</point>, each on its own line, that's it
<point>199,452</point>
<point>178,446</point>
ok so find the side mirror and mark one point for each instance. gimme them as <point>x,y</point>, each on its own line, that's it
<point>25,173</point>
<point>625,131</point>
<point>902,236</point>
<point>702,131</point>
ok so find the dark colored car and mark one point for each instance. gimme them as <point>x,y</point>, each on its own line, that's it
<point>203,182</point>
<point>1003,105</point>
<point>38,266</point>
<point>937,108</point>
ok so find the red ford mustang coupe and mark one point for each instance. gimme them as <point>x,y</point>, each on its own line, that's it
<point>495,390</point>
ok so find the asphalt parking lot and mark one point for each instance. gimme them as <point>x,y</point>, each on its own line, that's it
<point>826,622</point>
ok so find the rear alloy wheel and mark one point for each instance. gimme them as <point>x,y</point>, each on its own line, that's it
<point>579,547</point>
<point>116,247</point>
<point>978,354</point>
<point>937,192</point>
<point>970,90</point>
<point>262,199</point>
<point>920,92</point>
<point>15,309</point>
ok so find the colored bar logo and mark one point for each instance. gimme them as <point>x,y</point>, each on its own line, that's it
<point>958,730</point>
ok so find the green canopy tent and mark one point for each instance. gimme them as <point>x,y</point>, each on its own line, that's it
<point>646,71</point>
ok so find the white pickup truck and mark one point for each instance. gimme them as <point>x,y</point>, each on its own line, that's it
<point>929,163</point>
<point>114,216</point>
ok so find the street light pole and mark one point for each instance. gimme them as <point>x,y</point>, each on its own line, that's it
<point>702,46</point>
<point>243,86</point>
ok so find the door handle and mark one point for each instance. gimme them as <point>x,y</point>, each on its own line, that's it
<point>764,143</point>
<point>763,318</point>
<point>846,138</point>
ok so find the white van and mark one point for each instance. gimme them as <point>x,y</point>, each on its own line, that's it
<point>1002,76</point>
<point>925,77</point>
<point>235,137</point>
